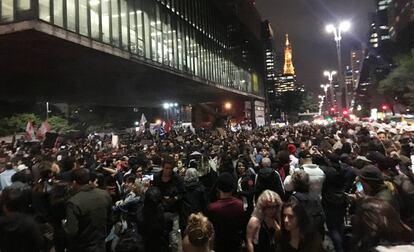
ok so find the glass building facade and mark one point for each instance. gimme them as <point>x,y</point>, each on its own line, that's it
<point>185,36</point>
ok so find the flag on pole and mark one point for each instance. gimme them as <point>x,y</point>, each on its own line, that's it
<point>143,120</point>
<point>168,126</point>
<point>29,131</point>
<point>41,132</point>
<point>141,128</point>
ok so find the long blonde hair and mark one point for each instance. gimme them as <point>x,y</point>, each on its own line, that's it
<point>267,198</point>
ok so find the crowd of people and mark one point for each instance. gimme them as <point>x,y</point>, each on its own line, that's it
<point>341,187</point>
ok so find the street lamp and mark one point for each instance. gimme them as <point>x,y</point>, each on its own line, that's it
<point>325,88</point>
<point>47,110</point>
<point>337,31</point>
<point>330,75</point>
<point>166,106</point>
<point>322,98</point>
<point>170,109</point>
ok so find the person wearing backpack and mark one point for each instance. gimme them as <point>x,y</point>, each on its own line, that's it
<point>311,204</point>
<point>405,187</point>
<point>268,179</point>
<point>316,175</point>
<point>333,198</point>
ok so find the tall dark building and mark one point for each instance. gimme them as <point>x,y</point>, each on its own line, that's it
<point>380,38</point>
<point>270,68</point>
<point>270,53</point>
<point>378,58</point>
<point>401,19</point>
<point>122,52</point>
<point>349,82</point>
<point>357,57</point>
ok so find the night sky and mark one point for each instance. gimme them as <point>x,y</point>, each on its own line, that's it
<point>305,20</point>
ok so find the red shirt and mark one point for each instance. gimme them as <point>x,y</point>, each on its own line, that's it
<point>227,218</point>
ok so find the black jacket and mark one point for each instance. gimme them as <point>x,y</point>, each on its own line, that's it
<point>88,213</point>
<point>174,190</point>
<point>19,233</point>
<point>196,197</point>
<point>334,185</point>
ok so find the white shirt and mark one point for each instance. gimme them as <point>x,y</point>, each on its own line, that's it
<point>316,179</point>
<point>294,163</point>
<point>5,178</point>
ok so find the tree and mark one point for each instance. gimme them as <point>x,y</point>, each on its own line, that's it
<point>59,124</point>
<point>399,84</point>
<point>290,101</point>
<point>297,101</point>
<point>17,123</point>
<point>308,102</point>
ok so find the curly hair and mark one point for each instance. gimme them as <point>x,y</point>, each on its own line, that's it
<point>199,230</point>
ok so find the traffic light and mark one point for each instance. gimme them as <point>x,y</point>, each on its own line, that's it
<point>384,107</point>
<point>345,112</point>
<point>333,109</point>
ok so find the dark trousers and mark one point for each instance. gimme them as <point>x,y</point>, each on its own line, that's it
<point>335,222</point>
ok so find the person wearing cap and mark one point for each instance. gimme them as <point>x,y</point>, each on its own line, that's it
<point>227,214</point>
<point>294,161</point>
<point>373,185</point>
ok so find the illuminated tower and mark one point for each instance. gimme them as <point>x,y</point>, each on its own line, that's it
<point>287,81</point>
<point>288,68</point>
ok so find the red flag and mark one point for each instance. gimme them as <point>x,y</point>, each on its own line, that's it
<point>168,126</point>
<point>44,128</point>
<point>29,131</point>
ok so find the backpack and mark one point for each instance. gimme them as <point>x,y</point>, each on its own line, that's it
<point>405,188</point>
<point>266,179</point>
<point>313,209</point>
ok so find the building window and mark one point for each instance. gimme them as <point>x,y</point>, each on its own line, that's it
<point>124,24</point>
<point>94,12</point>
<point>106,22</point>
<point>133,45</point>
<point>83,17</point>
<point>71,15</point>
<point>23,5</point>
<point>188,35</point>
<point>44,9</point>
<point>58,12</point>
<point>140,28</point>
<point>115,22</point>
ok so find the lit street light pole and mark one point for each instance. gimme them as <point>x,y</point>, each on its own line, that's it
<point>337,31</point>
<point>325,88</point>
<point>47,110</point>
<point>170,109</point>
<point>321,102</point>
<point>330,75</point>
